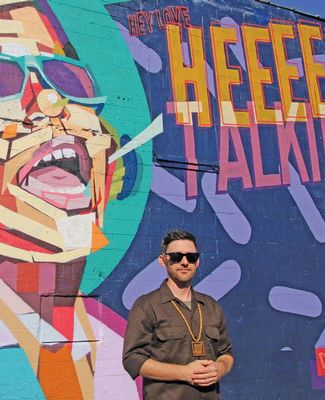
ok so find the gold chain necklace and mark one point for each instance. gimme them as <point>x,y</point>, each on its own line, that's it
<point>197,343</point>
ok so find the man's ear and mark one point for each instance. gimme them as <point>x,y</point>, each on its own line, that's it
<point>162,261</point>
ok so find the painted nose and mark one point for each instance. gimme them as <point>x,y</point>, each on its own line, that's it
<point>50,103</point>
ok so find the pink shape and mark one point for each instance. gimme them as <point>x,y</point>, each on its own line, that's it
<point>55,177</point>
<point>46,278</point>
<point>8,272</point>
<point>112,320</point>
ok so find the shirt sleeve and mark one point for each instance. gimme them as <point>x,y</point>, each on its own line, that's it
<point>138,337</point>
<point>224,346</point>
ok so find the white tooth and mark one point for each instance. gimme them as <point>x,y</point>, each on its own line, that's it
<point>36,164</point>
<point>74,190</point>
<point>48,157</point>
<point>68,153</point>
<point>57,154</point>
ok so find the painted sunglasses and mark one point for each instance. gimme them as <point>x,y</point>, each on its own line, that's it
<point>178,257</point>
<point>67,76</point>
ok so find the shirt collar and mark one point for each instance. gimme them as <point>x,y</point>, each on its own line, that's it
<point>167,295</point>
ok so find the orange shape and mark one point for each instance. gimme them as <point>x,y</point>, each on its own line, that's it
<point>57,374</point>
<point>10,131</point>
<point>99,240</point>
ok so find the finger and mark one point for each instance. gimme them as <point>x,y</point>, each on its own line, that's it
<point>206,382</point>
<point>206,362</point>
<point>205,374</point>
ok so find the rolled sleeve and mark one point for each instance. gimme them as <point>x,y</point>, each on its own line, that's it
<point>138,337</point>
<point>224,346</point>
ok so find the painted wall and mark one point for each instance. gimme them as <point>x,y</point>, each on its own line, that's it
<point>122,120</point>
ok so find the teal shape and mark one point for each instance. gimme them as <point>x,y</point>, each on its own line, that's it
<point>17,379</point>
<point>98,42</point>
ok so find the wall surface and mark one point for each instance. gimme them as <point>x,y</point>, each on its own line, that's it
<point>121,120</point>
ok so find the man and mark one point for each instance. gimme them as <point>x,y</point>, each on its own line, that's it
<point>55,182</point>
<point>177,338</point>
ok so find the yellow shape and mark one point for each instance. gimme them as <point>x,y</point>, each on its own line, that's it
<point>12,166</point>
<point>36,256</point>
<point>6,2</point>
<point>61,103</point>
<point>315,71</point>
<point>187,108</point>
<point>31,228</point>
<point>259,76</point>
<point>98,143</point>
<point>30,140</point>
<point>226,75</point>
<point>58,49</point>
<point>4,146</point>
<point>36,202</point>
<point>63,257</point>
<point>14,252</point>
<point>10,26</point>
<point>228,113</point>
<point>183,75</point>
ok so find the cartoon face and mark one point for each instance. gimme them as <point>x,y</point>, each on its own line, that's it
<point>53,146</point>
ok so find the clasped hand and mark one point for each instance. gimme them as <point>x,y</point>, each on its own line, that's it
<point>205,372</point>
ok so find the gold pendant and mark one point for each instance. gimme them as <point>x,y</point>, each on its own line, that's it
<point>198,349</point>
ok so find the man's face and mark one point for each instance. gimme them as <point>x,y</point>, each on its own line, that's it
<point>183,271</point>
<point>52,144</point>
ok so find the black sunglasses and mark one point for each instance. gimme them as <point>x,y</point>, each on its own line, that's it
<point>178,257</point>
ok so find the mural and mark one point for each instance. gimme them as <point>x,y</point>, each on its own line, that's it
<point>120,120</point>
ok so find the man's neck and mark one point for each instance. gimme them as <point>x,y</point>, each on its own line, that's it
<point>182,292</point>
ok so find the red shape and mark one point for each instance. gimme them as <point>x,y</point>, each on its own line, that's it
<point>63,321</point>
<point>109,178</point>
<point>27,278</point>
<point>320,361</point>
<point>15,241</point>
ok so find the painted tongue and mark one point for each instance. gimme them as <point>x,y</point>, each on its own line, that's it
<point>58,187</point>
<point>54,177</point>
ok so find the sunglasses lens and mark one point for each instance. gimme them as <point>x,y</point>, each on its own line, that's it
<point>192,257</point>
<point>71,79</point>
<point>11,78</point>
<point>177,257</point>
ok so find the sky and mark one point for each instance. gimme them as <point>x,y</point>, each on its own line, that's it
<point>315,7</point>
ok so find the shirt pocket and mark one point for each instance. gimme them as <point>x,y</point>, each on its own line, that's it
<point>213,338</point>
<point>171,345</point>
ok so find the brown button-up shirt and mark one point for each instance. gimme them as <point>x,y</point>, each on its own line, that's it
<point>156,330</point>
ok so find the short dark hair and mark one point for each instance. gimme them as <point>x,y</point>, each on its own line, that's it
<point>176,234</point>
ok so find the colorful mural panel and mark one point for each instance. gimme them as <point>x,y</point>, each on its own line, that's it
<point>120,120</point>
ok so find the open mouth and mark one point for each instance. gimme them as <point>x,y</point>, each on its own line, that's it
<point>59,173</point>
